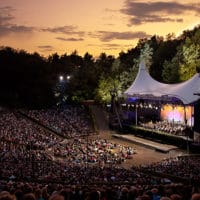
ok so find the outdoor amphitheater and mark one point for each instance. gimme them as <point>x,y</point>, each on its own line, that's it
<point>87,152</point>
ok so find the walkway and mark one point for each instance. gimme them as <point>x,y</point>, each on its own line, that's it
<point>165,148</point>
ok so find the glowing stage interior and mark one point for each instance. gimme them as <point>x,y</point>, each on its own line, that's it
<point>177,114</point>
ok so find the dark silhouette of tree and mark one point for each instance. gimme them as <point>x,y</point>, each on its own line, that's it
<point>83,80</point>
<point>28,79</point>
<point>163,50</point>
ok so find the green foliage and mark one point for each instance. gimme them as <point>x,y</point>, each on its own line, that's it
<point>127,77</point>
<point>146,55</point>
<point>116,67</point>
<point>104,64</point>
<point>170,73</point>
<point>162,50</point>
<point>191,60</point>
<point>29,79</point>
<point>77,97</point>
<point>104,88</point>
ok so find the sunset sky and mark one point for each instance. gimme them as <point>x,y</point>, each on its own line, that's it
<point>94,26</point>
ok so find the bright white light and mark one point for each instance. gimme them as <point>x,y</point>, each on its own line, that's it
<point>68,77</point>
<point>61,78</point>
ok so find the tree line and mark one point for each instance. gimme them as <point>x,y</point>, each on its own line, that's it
<point>30,80</point>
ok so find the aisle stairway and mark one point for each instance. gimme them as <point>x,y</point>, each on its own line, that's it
<point>101,118</point>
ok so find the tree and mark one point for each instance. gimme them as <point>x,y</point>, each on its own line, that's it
<point>84,79</point>
<point>104,64</point>
<point>191,59</point>
<point>146,55</point>
<point>127,77</point>
<point>170,73</point>
<point>106,85</point>
<point>116,67</point>
<point>162,51</point>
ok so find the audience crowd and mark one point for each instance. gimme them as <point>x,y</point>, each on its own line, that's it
<point>31,151</point>
<point>187,167</point>
<point>73,121</point>
<point>38,164</point>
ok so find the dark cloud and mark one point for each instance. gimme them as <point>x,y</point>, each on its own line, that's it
<point>70,39</point>
<point>110,48</point>
<point>14,29</point>
<point>44,48</point>
<point>5,14</point>
<point>70,30</point>
<point>106,45</point>
<point>115,46</point>
<point>154,18</point>
<point>107,36</point>
<point>112,45</point>
<point>145,12</point>
<point>6,27</point>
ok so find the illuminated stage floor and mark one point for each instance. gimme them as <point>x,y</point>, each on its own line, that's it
<point>165,148</point>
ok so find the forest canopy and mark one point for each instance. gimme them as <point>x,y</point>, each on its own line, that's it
<point>30,80</point>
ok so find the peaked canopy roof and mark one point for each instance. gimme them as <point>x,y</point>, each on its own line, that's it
<point>145,86</point>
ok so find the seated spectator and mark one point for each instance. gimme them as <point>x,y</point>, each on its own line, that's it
<point>196,196</point>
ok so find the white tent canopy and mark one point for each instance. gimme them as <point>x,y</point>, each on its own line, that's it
<point>145,85</point>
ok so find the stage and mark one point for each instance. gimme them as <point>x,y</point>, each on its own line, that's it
<point>164,148</point>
